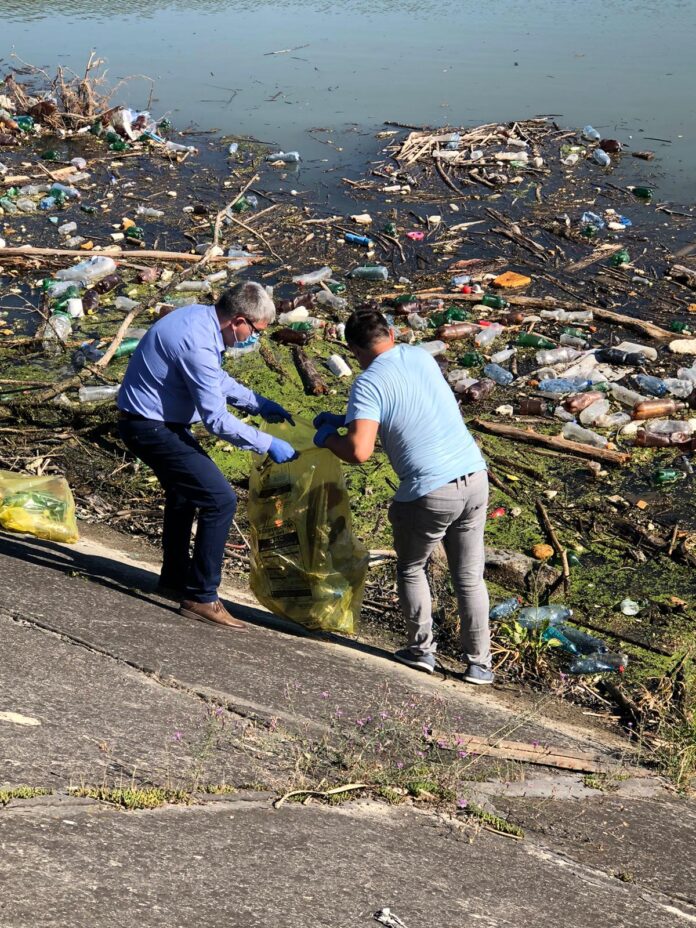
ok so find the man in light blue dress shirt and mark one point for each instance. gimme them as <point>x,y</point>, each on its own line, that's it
<point>174,379</point>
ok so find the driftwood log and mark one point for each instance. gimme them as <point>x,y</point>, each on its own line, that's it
<point>309,375</point>
<point>530,437</point>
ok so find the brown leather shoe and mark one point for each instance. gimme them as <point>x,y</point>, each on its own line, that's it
<point>214,613</point>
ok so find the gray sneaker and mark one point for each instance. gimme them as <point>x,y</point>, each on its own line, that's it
<point>477,673</point>
<point>424,662</point>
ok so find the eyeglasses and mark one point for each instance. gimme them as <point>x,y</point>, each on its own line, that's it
<point>257,332</point>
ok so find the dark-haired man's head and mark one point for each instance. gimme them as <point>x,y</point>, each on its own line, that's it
<point>368,334</point>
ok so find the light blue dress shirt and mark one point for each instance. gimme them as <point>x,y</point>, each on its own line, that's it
<point>420,425</point>
<point>176,375</point>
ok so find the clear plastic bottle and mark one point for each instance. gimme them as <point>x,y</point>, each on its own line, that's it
<point>500,357</point>
<point>149,213</point>
<point>289,157</point>
<point>192,286</point>
<point>535,616</point>
<point>556,356</point>
<point>561,385</point>
<point>504,609</point>
<point>625,396</point>
<point>370,272</point>
<point>592,414</point>
<point>89,271</point>
<point>590,134</point>
<point>574,341</point>
<point>599,663</point>
<point>99,394</point>
<point>55,332</point>
<point>574,432</point>
<point>678,387</point>
<point>601,158</point>
<point>488,334</point>
<point>125,303</point>
<point>434,348</point>
<point>502,377</point>
<point>649,353</point>
<point>333,301</point>
<point>416,322</point>
<point>563,315</point>
<point>176,148</point>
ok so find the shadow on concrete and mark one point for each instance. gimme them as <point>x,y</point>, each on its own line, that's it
<point>140,582</point>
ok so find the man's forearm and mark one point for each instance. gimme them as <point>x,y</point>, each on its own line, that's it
<point>344,447</point>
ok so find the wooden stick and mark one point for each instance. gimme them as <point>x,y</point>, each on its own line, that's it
<point>313,383</point>
<point>553,538</point>
<point>581,761</point>
<point>319,792</point>
<point>561,445</point>
<point>602,252</point>
<point>31,252</point>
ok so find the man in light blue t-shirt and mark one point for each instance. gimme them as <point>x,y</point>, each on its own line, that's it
<point>443,492</point>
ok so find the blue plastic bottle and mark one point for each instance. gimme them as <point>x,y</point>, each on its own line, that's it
<point>654,386</point>
<point>498,374</point>
<point>506,608</point>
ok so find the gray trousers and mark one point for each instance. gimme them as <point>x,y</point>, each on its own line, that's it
<point>454,514</point>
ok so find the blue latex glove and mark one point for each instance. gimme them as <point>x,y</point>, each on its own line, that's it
<point>280,452</point>
<point>323,433</point>
<point>329,418</point>
<point>274,412</point>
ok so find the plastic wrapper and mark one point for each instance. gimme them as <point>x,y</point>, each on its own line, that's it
<point>40,506</point>
<point>307,565</point>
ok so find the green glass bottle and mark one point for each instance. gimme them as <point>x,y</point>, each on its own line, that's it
<point>471,359</point>
<point>404,298</point>
<point>530,340</point>
<point>164,125</point>
<point>126,348</point>
<point>667,475</point>
<point>390,228</point>
<point>135,234</point>
<point>50,155</point>
<point>119,145</point>
<point>643,193</point>
<point>574,333</point>
<point>621,257</point>
<point>336,286</point>
<point>494,301</point>
<point>676,326</point>
<point>241,206</point>
<point>88,209</point>
<point>25,123</point>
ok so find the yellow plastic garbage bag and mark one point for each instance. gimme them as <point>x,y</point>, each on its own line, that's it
<point>40,506</point>
<point>306,564</point>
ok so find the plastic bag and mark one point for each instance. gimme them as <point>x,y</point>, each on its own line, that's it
<point>40,506</point>
<point>307,566</point>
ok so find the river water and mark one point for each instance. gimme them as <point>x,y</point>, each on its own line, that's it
<point>274,70</point>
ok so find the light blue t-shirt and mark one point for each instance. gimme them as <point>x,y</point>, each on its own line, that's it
<point>420,425</point>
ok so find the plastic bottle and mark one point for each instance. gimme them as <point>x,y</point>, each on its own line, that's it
<point>586,644</point>
<point>563,315</point>
<point>190,286</point>
<point>289,157</point>
<point>338,366</point>
<point>598,663</point>
<point>148,212</point>
<point>535,616</point>
<point>601,157</point>
<point>561,385</point>
<point>312,277</point>
<point>594,412</point>
<point>337,303</point>
<point>89,271</point>
<point>353,239</point>
<point>590,134</point>
<point>652,409</point>
<point>590,220</point>
<point>555,635</point>
<point>175,147</point>
<point>654,386</point>
<point>625,396</point>
<point>488,334</point>
<point>649,353</point>
<point>70,193</point>
<point>680,388</point>
<point>573,341</point>
<point>460,280</point>
<point>26,205</point>
<point>98,394</point>
<point>530,340</point>
<point>494,301</point>
<point>616,356</point>
<point>615,420</point>
<point>55,332</point>
<point>434,348</point>
<point>556,356</point>
<point>574,432</point>
<point>497,373</point>
<point>504,609</point>
<point>457,330</point>
<point>500,357</point>
<point>370,272</point>
<point>75,308</point>
<point>580,401</point>
<point>67,228</point>
<point>532,406</point>
<point>478,391</point>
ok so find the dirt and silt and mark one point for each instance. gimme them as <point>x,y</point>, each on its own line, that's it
<point>434,206</point>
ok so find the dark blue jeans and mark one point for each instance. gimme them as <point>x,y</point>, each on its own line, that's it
<point>192,483</point>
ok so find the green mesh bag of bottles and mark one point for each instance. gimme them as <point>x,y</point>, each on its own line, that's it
<point>306,564</point>
<point>40,506</point>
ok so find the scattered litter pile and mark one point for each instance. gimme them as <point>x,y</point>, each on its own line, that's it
<point>535,263</point>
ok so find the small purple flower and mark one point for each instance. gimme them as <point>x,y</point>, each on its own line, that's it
<point>384,715</point>
<point>462,754</point>
<point>462,803</point>
<point>177,736</point>
<point>442,744</point>
<point>324,695</point>
<point>535,744</point>
<point>399,765</point>
<point>420,753</point>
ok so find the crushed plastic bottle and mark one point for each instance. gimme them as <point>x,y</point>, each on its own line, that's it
<point>370,272</point>
<point>313,277</point>
<point>288,157</point>
<point>554,356</point>
<point>488,334</point>
<point>654,386</point>
<point>55,332</point>
<point>335,302</point>
<point>497,373</point>
<point>590,134</point>
<point>591,414</point>
<point>504,609</point>
<point>561,385</point>
<point>89,271</point>
<point>598,663</point>
<point>434,348</point>
<point>625,396</point>
<point>601,158</point>
<point>536,616</point>
<point>563,315</point>
<point>574,432</point>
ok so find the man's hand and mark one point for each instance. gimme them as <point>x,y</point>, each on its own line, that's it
<point>280,452</point>
<point>329,418</point>
<point>323,432</point>
<point>274,412</point>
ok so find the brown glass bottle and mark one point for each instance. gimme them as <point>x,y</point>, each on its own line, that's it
<point>651,409</point>
<point>291,337</point>
<point>514,317</point>
<point>478,391</point>
<point>106,284</point>
<point>532,406</point>
<point>579,401</point>
<point>455,330</point>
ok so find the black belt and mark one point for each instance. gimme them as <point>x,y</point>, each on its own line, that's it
<point>133,416</point>
<point>464,476</point>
